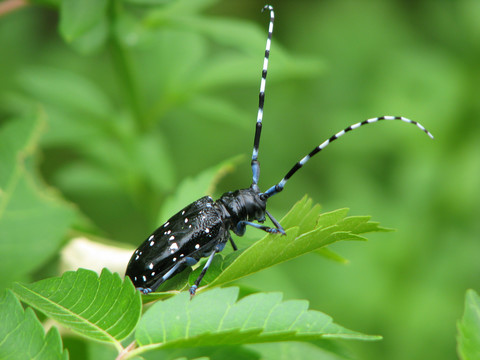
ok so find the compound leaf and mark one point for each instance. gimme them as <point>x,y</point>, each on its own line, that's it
<point>306,231</point>
<point>22,335</point>
<point>100,308</point>
<point>217,318</point>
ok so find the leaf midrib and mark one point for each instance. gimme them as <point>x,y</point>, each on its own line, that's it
<point>67,312</point>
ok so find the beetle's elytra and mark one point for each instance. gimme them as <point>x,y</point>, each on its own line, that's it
<point>202,228</point>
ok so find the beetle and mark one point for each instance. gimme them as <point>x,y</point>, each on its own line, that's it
<point>202,228</point>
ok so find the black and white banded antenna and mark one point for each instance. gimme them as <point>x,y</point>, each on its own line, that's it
<point>279,187</point>
<point>261,100</point>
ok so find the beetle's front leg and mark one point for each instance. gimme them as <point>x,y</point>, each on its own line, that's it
<point>241,227</point>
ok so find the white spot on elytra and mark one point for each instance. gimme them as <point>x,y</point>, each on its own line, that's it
<point>151,237</point>
<point>171,238</point>
<point>183,212</point>
<point>144,278</point>
<point>152,243</point>
<point>207,230</point>
<point>166,224</point>
<point>174,259</point>
<point>181,255</point>
<point>197,246</point>
<point>135,278</point>
<point>137,257</point>
<point>190,226</point>
<point>168,232</point>
<point>186,220</point>
<point>173,247</point>
<point>153,273</point>
<point>150,266</point>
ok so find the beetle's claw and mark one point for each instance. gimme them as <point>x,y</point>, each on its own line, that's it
<point>193,291</point>
<point>144,291</point>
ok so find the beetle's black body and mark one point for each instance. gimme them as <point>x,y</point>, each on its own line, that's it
<point>198,230</point>
<point>203,228</point>
<point>191,233</point>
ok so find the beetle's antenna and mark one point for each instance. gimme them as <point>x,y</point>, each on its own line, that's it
<point>261,99</point>
<point>279,187</point>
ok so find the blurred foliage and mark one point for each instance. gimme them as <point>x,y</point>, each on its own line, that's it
<point>130,98</point>
<point>469,328</point>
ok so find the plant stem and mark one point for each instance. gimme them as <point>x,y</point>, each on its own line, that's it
<point>126,350</point>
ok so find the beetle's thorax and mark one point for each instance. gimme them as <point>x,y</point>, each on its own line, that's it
<point>244,204</point>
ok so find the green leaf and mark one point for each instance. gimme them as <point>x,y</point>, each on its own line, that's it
<point>294,350</point>
<point>69,91</point>
<point>32,218</point>
<point>219,110</point>
<point>22,335</point>
<point>331,255</point>
<point>306,231</point>
<point>78,17</point>
<point>219,352</point>
<point>92,40</point>
<point>468,337</point>
<point>84,24</point>
<point>215,318</point>
<point>100,308</point>
<point>233,66</point>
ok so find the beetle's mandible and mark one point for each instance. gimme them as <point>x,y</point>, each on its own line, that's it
<point>202,228</point>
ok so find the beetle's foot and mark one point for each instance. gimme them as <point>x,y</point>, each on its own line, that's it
<point>193,291</point>
<point>144,291</point>
<point>276,231</point>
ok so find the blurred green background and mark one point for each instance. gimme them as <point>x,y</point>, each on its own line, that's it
<point>139,95</point>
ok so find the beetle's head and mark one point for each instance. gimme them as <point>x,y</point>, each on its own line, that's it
<point>245,204</point>
<point>255,203</point>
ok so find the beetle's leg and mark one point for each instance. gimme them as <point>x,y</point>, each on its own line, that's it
<point>193,288</point>
<point>232,243</point>
<point>240,229</point>
<point>276,223</point>
<point>189,261</point>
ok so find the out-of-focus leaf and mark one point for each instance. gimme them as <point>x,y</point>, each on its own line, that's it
<point>94,39</point>
<point>219,111</point>
<point>468,337</point>
<point>242,66</point>
<point>22,336</point>
<point>331,255</point>
<point>294,350</point>
<point>32,218</point>
<point>78,17</point>
<point>100,308</point>
<point>182,6</point>
<point>66,90</point>
<point>192,189</point>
